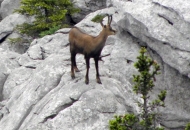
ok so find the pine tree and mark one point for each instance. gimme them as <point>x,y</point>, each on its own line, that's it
<point>49,15</point>
<point>143,85</point>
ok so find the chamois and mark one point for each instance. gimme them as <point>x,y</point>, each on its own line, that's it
<point>89,46</point>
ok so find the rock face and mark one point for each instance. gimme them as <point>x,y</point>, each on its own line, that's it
<point>8,6</point>
<point>88,6</point>
<point>7,26</point>
<point>37,92</point>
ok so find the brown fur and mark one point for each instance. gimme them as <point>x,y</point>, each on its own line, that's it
<point>89,46</point>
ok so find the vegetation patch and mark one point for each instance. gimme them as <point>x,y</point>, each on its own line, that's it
<point>18,40</point>
<point>98,18</point>
<point>49,16</point>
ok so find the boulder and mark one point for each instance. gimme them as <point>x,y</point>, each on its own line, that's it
<point>19,47</point>
<point>87,7</point>
<point>8,63</point>
<point>7,26</point>
<point>0,4</point>
<point>8,7</point>
<point>1,1</point>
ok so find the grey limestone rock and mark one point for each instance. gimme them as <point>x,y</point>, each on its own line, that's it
<point>88,6</point>
<point>7,26</point>
<point>37,92</point>
<point>8,6</point>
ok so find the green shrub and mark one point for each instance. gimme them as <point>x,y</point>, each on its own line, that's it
<point>49,15</point>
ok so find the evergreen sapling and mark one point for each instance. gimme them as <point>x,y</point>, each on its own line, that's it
<point>143,85</point>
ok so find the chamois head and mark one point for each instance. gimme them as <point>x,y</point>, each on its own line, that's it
<point>107,28</point>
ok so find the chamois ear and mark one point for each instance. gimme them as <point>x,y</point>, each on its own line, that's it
<point>108,18</point>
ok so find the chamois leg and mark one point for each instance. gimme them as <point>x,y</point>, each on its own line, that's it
<point>75,65</point>
<point>96,59</point>
<point>72,65</point>
<point>87,69</point>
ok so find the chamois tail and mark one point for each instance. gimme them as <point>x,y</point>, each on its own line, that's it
<point>67,44</point>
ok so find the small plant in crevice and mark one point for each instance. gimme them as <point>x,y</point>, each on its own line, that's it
<point>19,40</point>
<point>143,85</point>
<point>98,18</point>
<point>15,40</point>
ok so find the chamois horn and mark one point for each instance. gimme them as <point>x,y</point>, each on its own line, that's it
<point>109,20</point>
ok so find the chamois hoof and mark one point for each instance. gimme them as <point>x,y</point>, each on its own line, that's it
<point>73,76</point>
<point>87,81</point>
<point>99,81</point>
<point>77,70</point>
